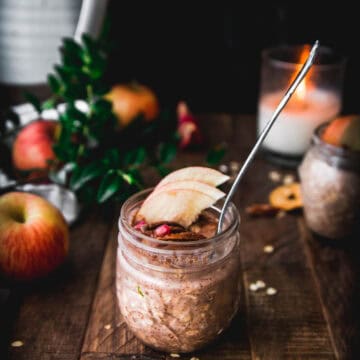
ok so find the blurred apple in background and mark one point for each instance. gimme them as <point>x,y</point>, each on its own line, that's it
<point>32,148</point>
<point>344,131</point>
<point>131,100</point>
<point>34,237</point>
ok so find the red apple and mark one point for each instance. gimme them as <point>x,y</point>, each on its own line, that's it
<point>344,131</point>
<point>131,100</point>
<point>32,148</point>
<point>34,236</point>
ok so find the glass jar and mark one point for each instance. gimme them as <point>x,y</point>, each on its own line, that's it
<point>177,296</point>
<point>317,99</point>
<point>330,187</point>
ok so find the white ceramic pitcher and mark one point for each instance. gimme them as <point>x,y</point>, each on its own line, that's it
<point>31,33</point>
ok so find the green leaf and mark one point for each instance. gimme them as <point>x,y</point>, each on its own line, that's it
<point>73,119</point>
<point>87,194</point>
<point>110,185</point>
<point>48,104</point>
<point>112,158</point>
<point>216,154</point>
<point>130,179</point>
<point>33,100</point>
<point>71,52</point>
<point>167,152</point>
<point>162,170</point>
<point>135,173</point>
<point>54,83</point>
<point>83,175</point>
<point>71,46</point>
<point>135,157</point>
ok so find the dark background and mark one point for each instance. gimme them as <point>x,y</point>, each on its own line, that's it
<point>210,54</point>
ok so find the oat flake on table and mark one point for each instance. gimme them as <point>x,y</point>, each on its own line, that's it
<point>17,343</point>
<point>271,291</point>
<point>268,249</point>
<point>288,179</point>
<point>274,176</point>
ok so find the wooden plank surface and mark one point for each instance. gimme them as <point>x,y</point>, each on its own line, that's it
<point>290,324</point>
<point>336,266</point>
<point>285,326</point>
<point>53,316</point>
<point>313,315</point>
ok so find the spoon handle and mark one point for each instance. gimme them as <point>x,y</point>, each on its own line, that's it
<point>300,76</point>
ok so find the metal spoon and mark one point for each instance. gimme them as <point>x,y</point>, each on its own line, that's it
<point>300,76</point>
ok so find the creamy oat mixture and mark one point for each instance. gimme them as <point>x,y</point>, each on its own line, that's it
<point>170,307</point>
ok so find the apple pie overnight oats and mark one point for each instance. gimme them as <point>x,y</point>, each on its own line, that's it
<point>178,283</point>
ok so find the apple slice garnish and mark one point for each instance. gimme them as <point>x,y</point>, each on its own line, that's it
<point>196,173</point>
<point>179,202</point>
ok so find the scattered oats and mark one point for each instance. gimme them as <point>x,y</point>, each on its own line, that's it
<point>260,284</point>
<point>268,249</point>
<point>288,179</point>
<point>223,168</point>
<point>274,176</point>
<point>281,214</point>
<point>194,358</point>
<point>17,343</point>
<point>220,331</point>
<point>234,166</point>
<point>271,291</point>
<point>107,327</point>
<point>253,287</point>
<point>175,355</point>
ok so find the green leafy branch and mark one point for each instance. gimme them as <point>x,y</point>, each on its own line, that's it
<point>101,161</point>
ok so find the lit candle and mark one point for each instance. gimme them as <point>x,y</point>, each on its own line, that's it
<point>316,100</point>
<point>292,131</point>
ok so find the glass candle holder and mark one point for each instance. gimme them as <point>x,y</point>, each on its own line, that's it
<point>317,99</point>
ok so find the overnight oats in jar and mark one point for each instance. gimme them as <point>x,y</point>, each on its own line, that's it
<point>178,283</point>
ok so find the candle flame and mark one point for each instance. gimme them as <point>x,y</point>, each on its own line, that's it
<point>300,92</point>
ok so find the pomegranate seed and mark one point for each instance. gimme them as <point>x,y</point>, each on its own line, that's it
<point>140,226</point>
<point>162,230</point>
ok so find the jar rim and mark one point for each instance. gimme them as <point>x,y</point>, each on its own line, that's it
<point>333,59</point>
<point>337,156</point>
<point>123,223</point>
<point>338,150</point>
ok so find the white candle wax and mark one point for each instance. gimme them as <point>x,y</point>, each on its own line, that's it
<point>292,131</point>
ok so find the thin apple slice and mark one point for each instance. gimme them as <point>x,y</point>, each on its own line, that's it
<point>179,202</point>
<point>197,173</point>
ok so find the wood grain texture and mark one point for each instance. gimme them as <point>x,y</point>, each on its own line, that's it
<point>290,324</point>
<point>312,316</point>
<point>274,329</point>
<point>99,337</point>
<point>53,317</point>
<point>119,340</point>
<point>108,334</point>
<point>336,266</point>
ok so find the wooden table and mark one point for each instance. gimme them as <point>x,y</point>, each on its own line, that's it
<point>74,314</point>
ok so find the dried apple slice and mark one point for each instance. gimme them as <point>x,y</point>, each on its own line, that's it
<point>196,173</point>
<point>179,202</point>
